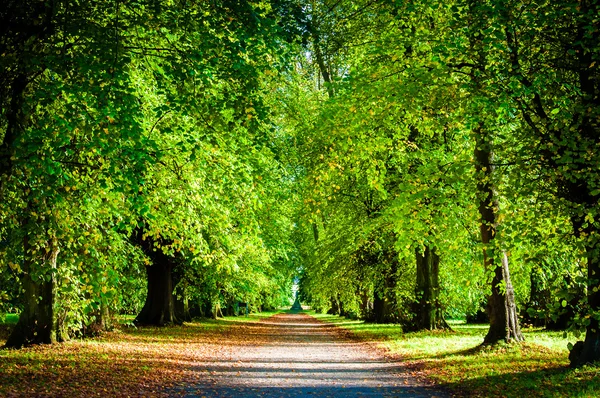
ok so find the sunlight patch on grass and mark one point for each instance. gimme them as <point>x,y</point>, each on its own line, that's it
<point>537,368</point>
<point>254,316</point>
<point>9,319</point>
<point>126,319</point>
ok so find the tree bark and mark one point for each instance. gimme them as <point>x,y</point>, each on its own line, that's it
<point>182,307</point>
<point>365,305</point>
<point>501,306</point>
<point>382,309</point>
<point>159,308</point>
<point>384,302</point>
<point>590,349</point>
<point>37,323</point>
<point>335,307</point>
<point>102,320</point>
<point>428,311</point>
<point>217,312</point>
<point>513,330</point>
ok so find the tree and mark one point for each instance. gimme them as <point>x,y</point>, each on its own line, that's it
<point>41,153</point>
<point>91,144</point>
<point>561,121</point>
<point>501,306</point>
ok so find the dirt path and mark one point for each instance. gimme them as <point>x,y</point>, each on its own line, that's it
<point>294,355</point>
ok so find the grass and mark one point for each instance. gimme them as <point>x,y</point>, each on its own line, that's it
<point>9,319</point>
<point>253,316</point>
<point>537,368</point>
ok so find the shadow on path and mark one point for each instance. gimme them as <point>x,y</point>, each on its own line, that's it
<point>295,355</point>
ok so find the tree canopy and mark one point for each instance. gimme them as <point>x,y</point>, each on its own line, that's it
<point>406,162</point>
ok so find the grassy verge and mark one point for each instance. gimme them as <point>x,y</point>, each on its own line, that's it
<point>252,317</point>
<point>538,368</point>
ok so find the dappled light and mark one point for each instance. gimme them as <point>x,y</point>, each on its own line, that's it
<point>298,197</point>
<point>538,368</point>
<point>279,356</point>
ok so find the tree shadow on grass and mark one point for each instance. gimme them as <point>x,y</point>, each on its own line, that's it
<point>549,382</point>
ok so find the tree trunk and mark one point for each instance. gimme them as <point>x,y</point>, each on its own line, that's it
<point>501,307</point>
<point>588,351</point>
<point>537,300</point>
<point>182,308</point>
<point>364,305</point>
<point>217,312</point>
<point>102,320</point>
<point>37,323</point>
<point>384,302</point>
<point>334,306</point>
<point>159,308</point>
<point>105,318</point>
<point>513,330</point>
<point>381,309</point>
<point>429,314</point>
<point>341,309</point>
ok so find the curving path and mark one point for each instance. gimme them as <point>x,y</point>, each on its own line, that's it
<point>294,355</point>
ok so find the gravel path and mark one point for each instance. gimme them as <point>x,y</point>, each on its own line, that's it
<point>294,355</point>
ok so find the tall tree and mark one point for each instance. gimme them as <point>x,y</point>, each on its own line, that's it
<point>556,89</point>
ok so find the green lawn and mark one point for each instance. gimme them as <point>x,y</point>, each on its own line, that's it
<point>537,368</point>
<point>254,316</point>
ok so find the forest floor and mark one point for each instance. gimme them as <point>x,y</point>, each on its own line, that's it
<point>284,355</point>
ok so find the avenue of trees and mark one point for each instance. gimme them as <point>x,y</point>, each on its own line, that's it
<point>408,161</point>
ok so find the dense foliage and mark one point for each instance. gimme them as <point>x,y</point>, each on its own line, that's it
<point>407,161</point>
